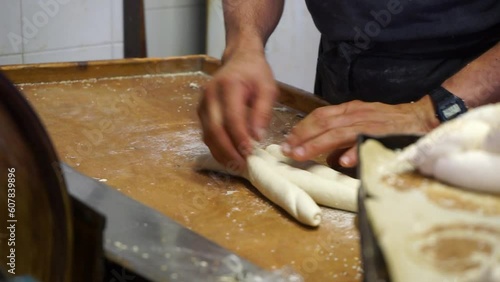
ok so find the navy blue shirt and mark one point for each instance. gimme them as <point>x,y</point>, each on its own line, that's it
<point>395,51</point>
<point>448,23</point>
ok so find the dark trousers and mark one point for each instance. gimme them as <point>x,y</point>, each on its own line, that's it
<point>391,73</point>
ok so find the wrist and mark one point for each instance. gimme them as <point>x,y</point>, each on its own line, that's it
<point>246,44</point>
<point>451,85</point>
<point>425,112</point>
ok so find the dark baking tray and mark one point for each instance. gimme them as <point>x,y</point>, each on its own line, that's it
<point>374,266</point>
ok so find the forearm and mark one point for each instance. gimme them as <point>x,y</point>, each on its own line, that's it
<point>478,83</point>
<point>249,23</point>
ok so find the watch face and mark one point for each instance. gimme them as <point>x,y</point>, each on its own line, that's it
<point>450,108</point>
<point>451,111</point>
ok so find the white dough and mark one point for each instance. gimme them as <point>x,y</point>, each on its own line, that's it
<point>207,162</point>
<point>492,141</point>
<point>476,170</point>
<point>452,137</point>
<point>464,152</point>
<point>282,192</point>
<point>325,185</point>
<point>275,151</point>
<point>423,237</point>
<point>278,190</point>
<point>294,186</point>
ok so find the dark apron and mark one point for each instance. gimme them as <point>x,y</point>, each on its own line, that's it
<point>392,73</point>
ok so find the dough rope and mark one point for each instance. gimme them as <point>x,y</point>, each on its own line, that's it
<point>282,192</point>
<point>326,186</point>
<point>294,186</point>
<point>314,168</point>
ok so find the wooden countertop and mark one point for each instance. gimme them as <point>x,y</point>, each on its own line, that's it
<point>140,134</point>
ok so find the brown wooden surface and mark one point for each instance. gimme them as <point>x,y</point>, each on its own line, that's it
<point>140,134</point>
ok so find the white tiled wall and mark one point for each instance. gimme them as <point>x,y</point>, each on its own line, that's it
<point>10,23</point>
<point>36,31</point>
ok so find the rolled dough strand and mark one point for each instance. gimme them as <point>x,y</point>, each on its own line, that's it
<point>473,170</point>
<point>278,190</point>
<point>463,133</point>
<point>275,151</point>
<point>449,138</point>
<point>282,192</point>
<point>492,141</point>
<point>324,191</point>
<point>207,162</point>
<point>314,168</point>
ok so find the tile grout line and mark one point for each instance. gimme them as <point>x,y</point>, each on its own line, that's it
<point>73,48</point>
<point>113,7</point>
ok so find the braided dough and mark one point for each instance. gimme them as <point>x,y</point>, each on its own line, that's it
<point>294,186</point>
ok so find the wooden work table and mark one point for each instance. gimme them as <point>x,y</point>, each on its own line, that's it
<point>133,124</point>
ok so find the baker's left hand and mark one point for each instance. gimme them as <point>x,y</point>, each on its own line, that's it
<point>332,128</point>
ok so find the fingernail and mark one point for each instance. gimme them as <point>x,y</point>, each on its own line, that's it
<point>285,148</point>
<point>299,151</point>
<point>345,161</point>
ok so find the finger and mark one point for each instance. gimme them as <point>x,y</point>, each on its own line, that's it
<point>208,107</point>
<point>320,121</point>
<point>334,157</point>
<point>233,95</point>
<point>330,117</point>
<point>214,134</point>
<point>333,161</point>
<point>221,149</point>
<point>349,158</point>
<point>314,124</point>
<point>261,114</point>
<point>328,141</point>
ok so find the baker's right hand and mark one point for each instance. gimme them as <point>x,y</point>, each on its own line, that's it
<point>236,107</point>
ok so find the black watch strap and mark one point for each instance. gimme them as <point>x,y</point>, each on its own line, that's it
<point>446,105</point>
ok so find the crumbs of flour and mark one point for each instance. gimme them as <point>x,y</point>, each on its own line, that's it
<point>188,143</point>
<point>340,219</point>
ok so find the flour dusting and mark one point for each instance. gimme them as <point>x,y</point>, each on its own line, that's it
<point>340,219</point>
<point>188,143</point>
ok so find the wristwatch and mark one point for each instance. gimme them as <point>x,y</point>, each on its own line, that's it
<point>446,105</point>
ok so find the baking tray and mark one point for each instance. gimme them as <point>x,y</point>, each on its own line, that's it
<point>132,124</point>
<point>374,265</point>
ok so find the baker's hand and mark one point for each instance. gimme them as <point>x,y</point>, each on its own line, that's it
<point>332,128</point>
<point>236,107</point>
